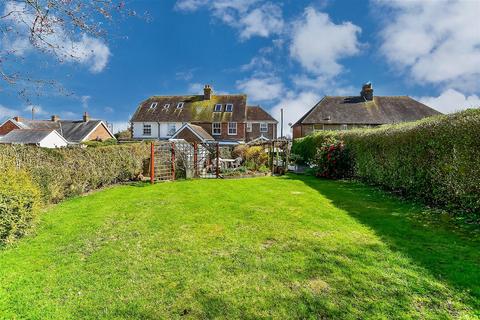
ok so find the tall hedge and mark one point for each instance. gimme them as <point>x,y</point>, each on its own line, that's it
<point>60,173</point>
<point>19,203</point>
<point>435,159</point>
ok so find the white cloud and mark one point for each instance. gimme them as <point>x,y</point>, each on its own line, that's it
<point>318,43</point>
<point>436,41</point>
<point>262,21</point>
<point>38,110</point>
<point>250,17</point>
<point>85,100</point>
<point>108,110</point>
<point>195,88</point>
<point>261,89</point>
<point>85,50</point>
<point>451,101</point>
<point>6,113</point>
<point>294,107</point>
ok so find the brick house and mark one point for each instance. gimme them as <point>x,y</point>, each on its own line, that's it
<point>226,118</point>
<point>73,131</point>
<point>363,111</point>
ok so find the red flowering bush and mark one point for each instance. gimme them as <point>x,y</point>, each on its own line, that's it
<point>333,160</point>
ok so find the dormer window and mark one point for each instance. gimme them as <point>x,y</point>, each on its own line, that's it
<point>229,107</point>
<point>166,106</point>
<point>180,105</point>
<point>218,108</point>
<point>153,105</point>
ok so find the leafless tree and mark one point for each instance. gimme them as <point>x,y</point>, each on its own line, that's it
<point>69,30</point>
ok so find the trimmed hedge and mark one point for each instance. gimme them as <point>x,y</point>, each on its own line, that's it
<point>61,173</point>
<point>31,176</point>
<point>436,159</point>
<point>19,202</point>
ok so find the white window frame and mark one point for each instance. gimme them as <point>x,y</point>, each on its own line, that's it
<point>166,106</point>
<point>171,129</point>
<point>231,133</point>
<point>249,127</point>
<point>344,127</point>
<point>145,126</point>
<point>180,105</point>
<point>263,127</point>
<point>229,106</point>
<point>216,128</point>
<point>153,105</point>
<point>220,108</point>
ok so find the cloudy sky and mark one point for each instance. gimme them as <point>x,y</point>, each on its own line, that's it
<point>283,54</point>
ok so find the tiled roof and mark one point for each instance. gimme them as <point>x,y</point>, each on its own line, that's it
<point>195,109</point>
<point>201,132</point>
<point>72,131</point>
<point>355,110</point>
<point>256,113</point>
<point>26,136</point>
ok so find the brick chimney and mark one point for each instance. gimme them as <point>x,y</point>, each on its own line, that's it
<point>17,118</point>
<point>207,92</point>
<point>86,117</point>
<point>55,118</point>
<point>367,91</point>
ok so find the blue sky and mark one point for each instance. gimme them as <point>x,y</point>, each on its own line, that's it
<point>281,53</point>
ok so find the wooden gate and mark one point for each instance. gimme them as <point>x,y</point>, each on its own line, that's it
<point>178,158</point>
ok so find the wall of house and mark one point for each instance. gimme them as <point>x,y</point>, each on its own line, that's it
<point>159,130</point>
<point>270,134</point>
<point>53,140</point>
<point>100,133</point>
<point>240,136</point>
<point>7,127</point>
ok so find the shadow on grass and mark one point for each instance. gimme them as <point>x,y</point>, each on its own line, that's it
<point>450,256</point>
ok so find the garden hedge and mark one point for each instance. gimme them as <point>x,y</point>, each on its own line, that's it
<point>31,176</point>
<point>436,159</point>
<point>61,173</point>
<point>19,202</point>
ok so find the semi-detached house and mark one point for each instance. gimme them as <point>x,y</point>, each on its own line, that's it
<point>225,118</point>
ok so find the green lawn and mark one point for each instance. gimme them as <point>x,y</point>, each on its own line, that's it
<point>290,247</point>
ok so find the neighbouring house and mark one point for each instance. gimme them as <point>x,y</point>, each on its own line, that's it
<point>363,111</point>
<point>225,118</point>
<point>260,124</point>
<point>73,131</point>
<point>45,138</point>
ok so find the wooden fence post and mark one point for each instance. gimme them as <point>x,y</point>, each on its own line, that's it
<point>217,169</point>
<point>195,160</point>
<point>272,150</point>
<point>152,163</point>
<point>173,160</point>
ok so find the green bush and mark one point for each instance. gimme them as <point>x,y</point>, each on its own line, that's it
<point>333,160</point>
<point>19,203</point>
<point>436,159</point>
<point>61,173</point>
<point>256,157</point>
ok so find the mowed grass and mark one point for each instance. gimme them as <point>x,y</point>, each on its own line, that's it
<point>289,247</point>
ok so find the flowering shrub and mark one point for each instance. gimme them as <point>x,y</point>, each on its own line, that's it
<point>332,160</point>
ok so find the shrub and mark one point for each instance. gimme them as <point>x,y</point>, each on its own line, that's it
<point>19,202</point>
<point>61,173</point>
<point>332,160</point>
<point>256,157</point>
<point>240,151</point>
<point>435,159</point>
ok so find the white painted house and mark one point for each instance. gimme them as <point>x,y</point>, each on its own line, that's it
<point>155,130</point>
<point>45,138</point>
